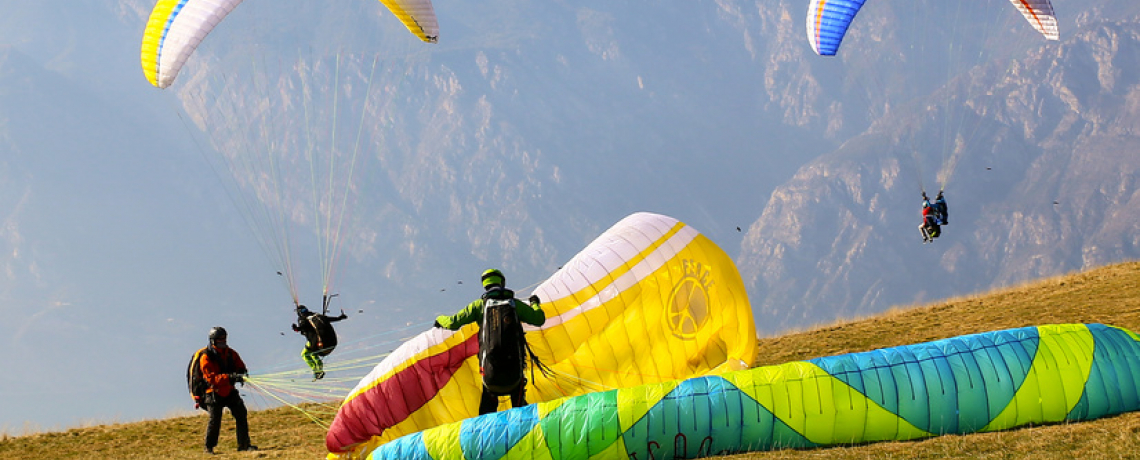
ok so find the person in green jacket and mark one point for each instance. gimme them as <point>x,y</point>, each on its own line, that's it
<point>502,343</point>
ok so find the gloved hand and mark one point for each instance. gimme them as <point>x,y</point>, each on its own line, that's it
<point>237,378</point>
<point>436,324</point>
<point>342,315</point>
<point>534,299</point>
<point>295,328</point>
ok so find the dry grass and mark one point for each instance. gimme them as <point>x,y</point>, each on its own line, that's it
<point>281,433</point>
<point>1109,295</point>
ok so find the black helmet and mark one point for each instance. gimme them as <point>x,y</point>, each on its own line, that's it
<point>217,332</point>
<point>493,277</point>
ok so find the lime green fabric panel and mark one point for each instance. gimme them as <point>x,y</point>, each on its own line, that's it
<point>1056,380</point>
<point>444,442</point>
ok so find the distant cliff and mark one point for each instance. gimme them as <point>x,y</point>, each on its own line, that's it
<point>1040,161</point>
<point>517,148</point>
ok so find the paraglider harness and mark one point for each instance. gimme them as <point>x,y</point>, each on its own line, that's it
<point>932,222</point>
<point>196,382</point>
<point>325,335</point>
<point>321,329</point>
<point>941,212</point>
<point>502,344</point>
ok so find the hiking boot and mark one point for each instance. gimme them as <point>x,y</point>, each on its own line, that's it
<point>208,450</point>
<point>249,447</point>
<point>318,375</point>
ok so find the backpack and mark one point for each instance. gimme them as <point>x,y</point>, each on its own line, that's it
<point>940,211</point>
<point>195,382</point>
<point>502,345</point>
<point>326,335</point>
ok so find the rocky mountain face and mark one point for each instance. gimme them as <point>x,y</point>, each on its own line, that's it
<point>516,149</point>
<point>513,150</point>
<point>1040,169</point>
<point>533,126</point>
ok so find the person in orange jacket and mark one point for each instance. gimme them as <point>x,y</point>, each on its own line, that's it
<point>222,367</point>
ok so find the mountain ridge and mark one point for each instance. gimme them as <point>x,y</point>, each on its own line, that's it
<point>1022,199</point>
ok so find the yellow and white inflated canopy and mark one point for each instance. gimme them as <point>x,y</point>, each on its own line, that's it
<point>650,300</point>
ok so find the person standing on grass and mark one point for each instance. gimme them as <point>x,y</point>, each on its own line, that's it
<point>222,367</point>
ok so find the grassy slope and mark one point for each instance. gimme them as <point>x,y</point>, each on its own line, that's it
<point>1109,295</point>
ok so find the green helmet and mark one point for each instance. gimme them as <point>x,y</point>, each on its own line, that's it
<point>493,277</point>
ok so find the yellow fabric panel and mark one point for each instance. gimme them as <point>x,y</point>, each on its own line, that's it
<point>152,37</point>
<point>805,397</point>
<point>615,450</point>
<point>1076,344</point>
<point>546,407</point>
<point>850,413</point>
<point>530,447</point>
<point>788,395</point>
<point>1055,381</point>
<point>636,338</point>
<point>443,442</point>
<point>414,14</point>
<point>819,408</point>
<point>756,383</point>
<point>633,403</point>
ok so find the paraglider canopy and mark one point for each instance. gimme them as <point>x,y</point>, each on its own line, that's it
<point>828,21</point>
<point>650,300</point>
<point>177,27</point>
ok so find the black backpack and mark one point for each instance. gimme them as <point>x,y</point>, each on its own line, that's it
<point>502,346</point>
<point>326,335</point>
<point>195,382</point>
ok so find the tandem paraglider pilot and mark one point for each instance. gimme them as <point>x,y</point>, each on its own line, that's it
<point>212,374</point>
<point>319,335</point>
<point>934,216</point>
<point>502,343</point>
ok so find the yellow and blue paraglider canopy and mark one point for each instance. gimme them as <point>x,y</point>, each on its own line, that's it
<point>176,27</point>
